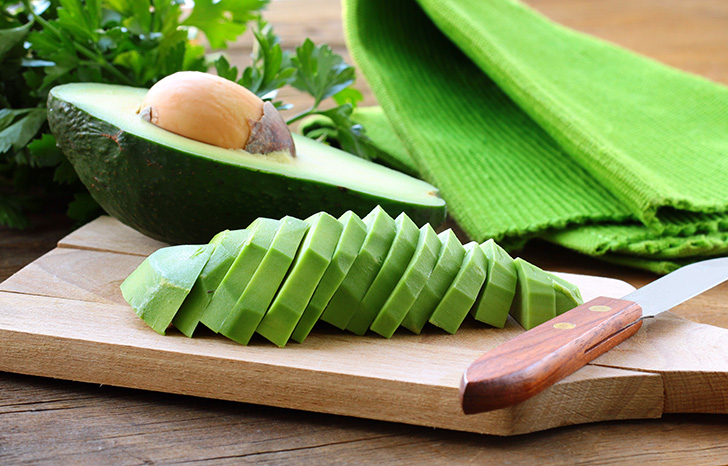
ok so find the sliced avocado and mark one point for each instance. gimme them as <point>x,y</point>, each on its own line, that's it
<point>447,267</point>
<point>308,267</point>
<point>368,262</point>
<point>409,286</point>
<point>568,295</point>
<point>496,296</point>
<point>157,288</point>
<point>227,246</point>
<point>262,231</point>
<point>352,237</point>
<point>162,184</point>
<point>463,291</point>
<point>244,318</point>
<point>399,255</point>
<point>535,299</point>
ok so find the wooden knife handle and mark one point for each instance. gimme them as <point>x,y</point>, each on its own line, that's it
<point>540,357</point>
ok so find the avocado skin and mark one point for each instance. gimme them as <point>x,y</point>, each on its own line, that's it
<point>180,198</point>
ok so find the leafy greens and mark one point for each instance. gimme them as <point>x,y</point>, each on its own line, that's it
<point>44,43</point>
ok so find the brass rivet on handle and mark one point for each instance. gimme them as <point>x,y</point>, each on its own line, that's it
<point>600,308</point>
<point>564,325</point>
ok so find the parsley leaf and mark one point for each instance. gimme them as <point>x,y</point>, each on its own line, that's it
<point>223,21</point>
<point>350,136</point>
<point>137,42</point>
<point>17,135</point>
<point>49,42</point>
<point>320,72</point>
<point>270,69</point>
<point>11,212</point>
<point>11,37</point>
<point>83,208</point>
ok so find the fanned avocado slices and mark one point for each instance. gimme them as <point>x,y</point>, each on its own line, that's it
<point>179,190</point>
<point>243,319</point>
<point>352,237</point>
<point>262,232</point>
<point>279,277</point>
<point>158,287</point>
<point>399,255</point>
<point>496,296</point>
<point>310,263</point>
<point>227,244</point>
<point>535,299</point>
<point>463,291</point>
<point>568,295</point>
<point>448,264</point>
<point>409,286</point>
<point>380,234</point>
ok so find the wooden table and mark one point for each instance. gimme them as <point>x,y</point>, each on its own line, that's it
<point>59,422</point>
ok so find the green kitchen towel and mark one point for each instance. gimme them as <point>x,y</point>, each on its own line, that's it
<point>531,129</point>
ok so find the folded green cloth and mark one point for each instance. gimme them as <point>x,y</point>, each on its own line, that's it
<point>530,129</point>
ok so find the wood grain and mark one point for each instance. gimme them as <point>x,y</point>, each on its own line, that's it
<point>533,361</point>
<point>92,424</point>
<point>63,316</point>
<point>47,421</point>
<point>88,333</point>
<point>99,343</point>
<point>105,236</point>
<point>659,353</point>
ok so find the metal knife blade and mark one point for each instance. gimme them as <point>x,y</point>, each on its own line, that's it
<point>533,361</point>
<point>677,287</point>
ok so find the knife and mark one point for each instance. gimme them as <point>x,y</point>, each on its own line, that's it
<point>533,361</point>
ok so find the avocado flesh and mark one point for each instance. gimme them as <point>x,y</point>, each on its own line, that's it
<point>568,295</point>
<point>535,300</point>
<point>241,271</point>
<point>227,246</point>
<point>447,267</point>
<point>249,310</point>
<point>410,284</point>
<point>394,265</point>
<point>463,291</point>
<point>157,288</point>
<point>275,266</point>
<point>308,267</point>
<point>352,237</point>
<point>161,183</point>
<point>496,296</point>
<point>368,262</point>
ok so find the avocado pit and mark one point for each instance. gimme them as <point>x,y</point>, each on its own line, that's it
<point>214,110</point>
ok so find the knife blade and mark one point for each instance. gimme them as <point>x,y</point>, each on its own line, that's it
<point>526,365</point>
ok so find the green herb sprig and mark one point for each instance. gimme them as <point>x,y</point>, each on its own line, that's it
<point>44,43</point>
<point>51,42</point>
<point>317,71</point>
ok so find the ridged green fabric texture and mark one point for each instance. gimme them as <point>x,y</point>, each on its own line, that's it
<point>530,129</point>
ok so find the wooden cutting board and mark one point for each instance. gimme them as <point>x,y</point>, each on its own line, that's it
<point>63,316</point>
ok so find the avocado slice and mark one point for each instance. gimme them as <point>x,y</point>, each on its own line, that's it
<point>380,234</point>
<point>157,288</point>
<point>535,300</point>
<point>410,284</point>
<point>447,267</point>
<point>244,318</point>
<point>233,284</point>
<point>352,237</point>
<point>496,296</point>
<point>227,246</point>
<point>568,295</point>
<point>308,267</point>
<point>162,184</point>
<point>399,255</point>
<point>463,291</point>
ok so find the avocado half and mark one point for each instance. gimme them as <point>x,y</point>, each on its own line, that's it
<point>178,190</point>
